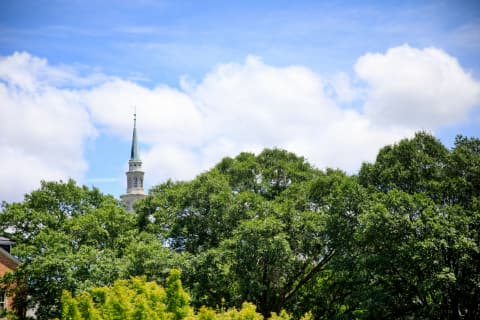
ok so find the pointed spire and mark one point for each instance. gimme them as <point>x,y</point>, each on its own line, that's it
<point>134,152</point>
<point>134,174</point>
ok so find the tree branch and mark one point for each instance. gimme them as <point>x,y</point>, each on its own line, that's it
<point>308,277</point>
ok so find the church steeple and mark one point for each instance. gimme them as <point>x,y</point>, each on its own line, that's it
<point>134,173</point>
<point>134,150</point>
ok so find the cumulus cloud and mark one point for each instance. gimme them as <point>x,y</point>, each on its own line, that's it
<point>42,128</point>
<point>44,122</point>
<point>253,105</point>
<point>167,115</point>
<point>417,88</point>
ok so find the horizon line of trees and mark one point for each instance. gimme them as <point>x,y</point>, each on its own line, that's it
<point>398,240</point>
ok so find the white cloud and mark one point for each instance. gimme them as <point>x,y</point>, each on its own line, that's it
<point>236,107</point>
<point>31,73</point>
<point>166,115</point>
<point>253,105</point>
<point>21,172</point>
<point>42,128</point>
<point>165,161</point>
<point>258,103</point>
<point>27,72</point>
<point>344,90</point>
<point>417,88</point>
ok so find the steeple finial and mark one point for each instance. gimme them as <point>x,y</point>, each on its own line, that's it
<point>134,152</point>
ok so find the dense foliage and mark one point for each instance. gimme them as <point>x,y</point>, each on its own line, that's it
<point>133,299</point>
<point>73,238</point>
<point>257,228</point>
<point>398,240</point>
<point>137,299</point>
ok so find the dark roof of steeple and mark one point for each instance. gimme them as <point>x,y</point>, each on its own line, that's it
<point>134,152</point>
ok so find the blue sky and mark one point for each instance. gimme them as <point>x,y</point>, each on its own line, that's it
<point>332,81</point>
<point>157,41</point>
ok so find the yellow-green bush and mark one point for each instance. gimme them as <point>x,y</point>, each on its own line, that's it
<point>137,299</point>
<point>134,299</point>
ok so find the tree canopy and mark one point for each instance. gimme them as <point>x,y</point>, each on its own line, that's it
<point>72,238</point>
<point>400,239</point>
<point>261,226</point>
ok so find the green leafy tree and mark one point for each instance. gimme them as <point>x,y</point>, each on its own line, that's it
<point>418,233</point>
<point>415,165</point>
<point>125,299</point>
<point>136,299</point>
<point>177,299</point>
<point>73,238</point>
<point>399,241</point>
<point>258,228</point>
<point>462,173</point>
